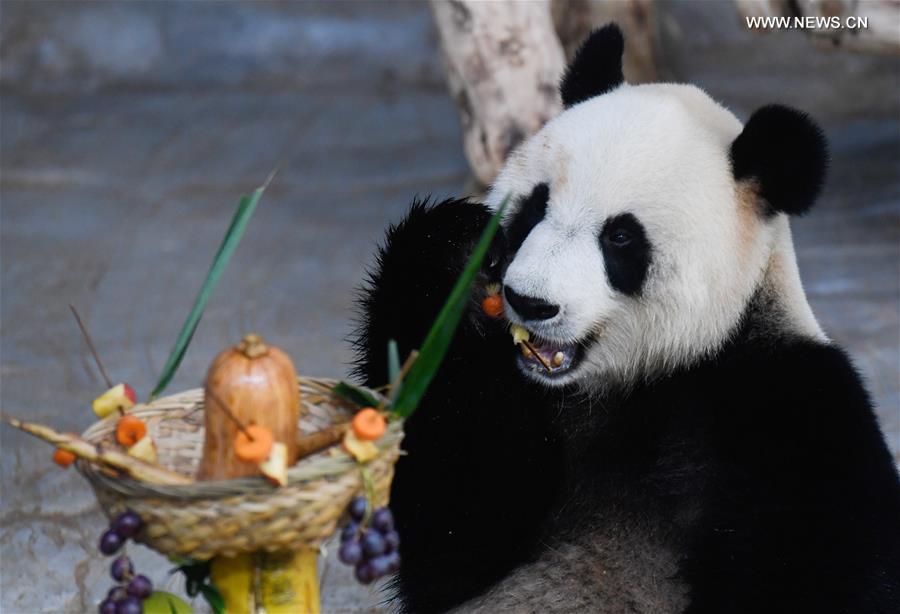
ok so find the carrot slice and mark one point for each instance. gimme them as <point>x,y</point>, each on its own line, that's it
<point>130,430</point>
<point>492,305</point>
<point>63,458</point>
<point>368,424</point>
<point>256,447</point>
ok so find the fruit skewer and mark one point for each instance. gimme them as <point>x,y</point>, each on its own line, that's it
<point>90,343</point>
<point>522,337</point>
<point>109,456</point>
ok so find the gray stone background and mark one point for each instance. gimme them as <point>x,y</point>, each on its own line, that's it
<point>128,130</point>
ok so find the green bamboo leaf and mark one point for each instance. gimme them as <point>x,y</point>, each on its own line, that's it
<point>393,360</point>
<point>393,365</point>
<point>213,598</point>
<point>441,333</point>
<point>355,395</point>
<point>245,209</point>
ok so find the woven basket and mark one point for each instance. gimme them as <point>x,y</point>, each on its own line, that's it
<point>229,517</point>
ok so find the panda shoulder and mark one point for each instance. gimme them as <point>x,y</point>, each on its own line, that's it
<point>813,387</point>
<point>817,368</point>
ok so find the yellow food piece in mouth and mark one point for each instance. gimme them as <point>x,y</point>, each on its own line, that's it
<point>519,334</point>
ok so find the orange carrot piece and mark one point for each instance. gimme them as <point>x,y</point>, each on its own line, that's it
<point>492,305</point>
<point>368,424</point>
<point>130,430</point>
<point>63,458</point>
<point>256,447</point>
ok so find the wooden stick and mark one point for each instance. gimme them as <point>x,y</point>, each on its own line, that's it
<point>318,441</point>
<point>227,411</point>
<point>90,344</point>
<point>395,385</point>
<point>537,355</point>
<point>404,370</point>
<point>104,456</point>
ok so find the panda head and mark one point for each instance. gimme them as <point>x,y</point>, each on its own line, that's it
<point>645,218</point>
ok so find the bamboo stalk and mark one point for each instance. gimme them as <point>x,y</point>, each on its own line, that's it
<point>111,457</point>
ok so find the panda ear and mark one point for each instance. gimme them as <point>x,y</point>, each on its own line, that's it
<point>785,153</point>
<point>596,67</point>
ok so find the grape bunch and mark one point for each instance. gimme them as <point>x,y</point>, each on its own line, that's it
<point>127,597</point>
<point>370,543</point>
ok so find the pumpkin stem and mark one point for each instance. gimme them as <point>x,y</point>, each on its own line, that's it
<point>253,346</point>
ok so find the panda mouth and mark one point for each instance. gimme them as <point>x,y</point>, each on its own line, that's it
<point>547,358</point>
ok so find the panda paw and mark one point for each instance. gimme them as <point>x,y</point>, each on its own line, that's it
<point>415,270</point>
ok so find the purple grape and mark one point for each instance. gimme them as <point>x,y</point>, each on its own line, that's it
<point>380,565</point>
<point>393,561</point>
<point>364,573</point>
<point>358,508</point>
<point>110,542</point>
<point>107,606</point>
<point>391,541</point>
<point>373,543</point>
<point>140,587</point>
<point>116,594</point>
<point>130,605</point>
<point>349,532</point>
<point>383,520</point>
<point>127,524</point>
<point>121,569</point>
<point>350,553</point>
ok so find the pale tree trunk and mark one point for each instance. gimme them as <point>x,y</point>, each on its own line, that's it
<point>881,35</point>
<point>503,62</point>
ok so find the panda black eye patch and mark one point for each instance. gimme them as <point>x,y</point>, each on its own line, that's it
<point>530,213</point>
<point>626,253</point>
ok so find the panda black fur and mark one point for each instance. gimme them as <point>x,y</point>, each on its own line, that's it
<point>744,473</point>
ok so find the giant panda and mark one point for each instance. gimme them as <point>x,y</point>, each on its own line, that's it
<point>702,446</point>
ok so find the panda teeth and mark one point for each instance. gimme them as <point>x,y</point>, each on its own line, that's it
<point>542,356</point>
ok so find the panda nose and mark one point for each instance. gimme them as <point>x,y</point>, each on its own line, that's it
<point>529,307</point>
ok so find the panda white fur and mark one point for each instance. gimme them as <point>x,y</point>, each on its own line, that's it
<point>702,446</point>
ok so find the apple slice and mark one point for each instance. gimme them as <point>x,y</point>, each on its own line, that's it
<point>144,449</point>
<point>118,398</point>
<point>519,334</point>
<point>363,451</point>
<point>275,467</point>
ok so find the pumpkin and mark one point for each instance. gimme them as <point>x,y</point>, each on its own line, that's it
<point>258,384</point>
